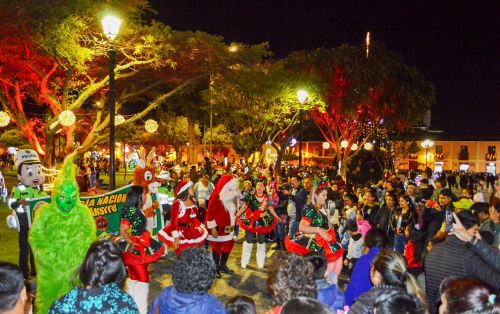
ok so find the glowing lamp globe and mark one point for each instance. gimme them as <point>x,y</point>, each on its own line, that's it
<point>302,96</point>
<point>119,119</point>
<point>151,126</point>
<point>354,146</point>
<point>67,118</point>
<point>111,26</point>
<point>4,119</point>
<point>368,146</point>
<point>326,145</point>
<point>344,144</point>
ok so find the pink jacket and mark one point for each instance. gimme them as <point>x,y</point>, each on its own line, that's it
<point>364,227</point>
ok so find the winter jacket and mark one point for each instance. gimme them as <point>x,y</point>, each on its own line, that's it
<point>299,198</point>
<point>408,218</point>
<point>330,295</point>
<point>364,304</point>
<point>363,227</point>
<point>382,218</point>
<point>360,281</point>
<point>487,253</point>
<point>355,248</point>
<point>453,258</point>
<point>172,301</point>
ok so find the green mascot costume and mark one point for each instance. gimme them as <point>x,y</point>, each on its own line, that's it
<point>60,236</point>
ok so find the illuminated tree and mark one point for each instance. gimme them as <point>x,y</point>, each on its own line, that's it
<point>258,104</point>
<point>57,60</point>
<point>363,95</point>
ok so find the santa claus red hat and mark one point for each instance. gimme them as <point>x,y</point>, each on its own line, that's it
<point>183,186</point>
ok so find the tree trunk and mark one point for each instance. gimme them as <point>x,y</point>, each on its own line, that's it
<point>192,142</point>
<point>178,155</point>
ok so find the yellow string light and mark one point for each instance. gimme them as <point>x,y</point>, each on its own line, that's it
<point>151,126</point>
<point>4,119</point>
<point>119,119</point>
<point>67,118</point>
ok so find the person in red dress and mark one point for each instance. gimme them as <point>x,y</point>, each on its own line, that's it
<point>255,218</point>
<point>138,247</point>
<point>184,230</point>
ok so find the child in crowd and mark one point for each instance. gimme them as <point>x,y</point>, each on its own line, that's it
<point>355,248</point>
<point>348,214</point>
<point>328,293</point>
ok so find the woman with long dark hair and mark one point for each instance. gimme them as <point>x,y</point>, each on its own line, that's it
<point>389,272</point>
<point>467,295</point>
<point>400,219</point>
<point>139,249</point>
<point>102,275</point>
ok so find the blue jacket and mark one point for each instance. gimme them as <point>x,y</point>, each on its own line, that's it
<point>330,295</point>
<point>360,277</point>
<point>173,301</point>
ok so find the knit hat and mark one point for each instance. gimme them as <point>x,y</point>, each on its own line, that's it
<point>183,186</point>
<point>463,203</point>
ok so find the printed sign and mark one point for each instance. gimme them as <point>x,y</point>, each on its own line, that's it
<point>106,210</point>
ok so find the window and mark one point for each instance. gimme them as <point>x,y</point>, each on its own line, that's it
<point>439,149</point>
<point>463,154</point>
<point>492,150</point>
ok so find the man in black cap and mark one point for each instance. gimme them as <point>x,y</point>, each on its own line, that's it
<point>436,213</point>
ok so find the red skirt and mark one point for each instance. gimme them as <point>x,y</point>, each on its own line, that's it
<point>301,244</point>
<point>193,236</point>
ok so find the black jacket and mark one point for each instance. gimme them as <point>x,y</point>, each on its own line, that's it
<point>487,253</point>
<point>299,199</point>
<point>453,258</point>
<point>364,304</point>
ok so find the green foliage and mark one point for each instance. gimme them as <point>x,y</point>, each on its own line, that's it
<point>259,102</point>
<point>14,138</point>
<point>174,130</point>
<point>220,135</point>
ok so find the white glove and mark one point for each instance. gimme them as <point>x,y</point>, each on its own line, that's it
<point>13,222</point>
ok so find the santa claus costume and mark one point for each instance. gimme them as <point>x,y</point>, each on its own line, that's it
<point>184,230</point>
<point>221,219</point>
<point>254,217</point>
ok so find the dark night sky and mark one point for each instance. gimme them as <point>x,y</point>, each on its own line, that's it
<point>455,44</point>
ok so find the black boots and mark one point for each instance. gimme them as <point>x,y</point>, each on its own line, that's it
<point>217,261</point>
<point>223,267</point>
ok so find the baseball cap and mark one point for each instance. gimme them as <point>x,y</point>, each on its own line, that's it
<point>463,203</point>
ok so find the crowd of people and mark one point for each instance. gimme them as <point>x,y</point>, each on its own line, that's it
<point>404,244</point>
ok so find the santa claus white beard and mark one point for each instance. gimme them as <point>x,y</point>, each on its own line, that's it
<point>230,205</point>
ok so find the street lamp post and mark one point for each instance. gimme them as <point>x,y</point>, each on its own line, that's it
<point>302,96</point>
<point>111,25</point>
<point>427,144</point>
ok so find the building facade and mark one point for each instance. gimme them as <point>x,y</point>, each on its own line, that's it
<point>476,156</point>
